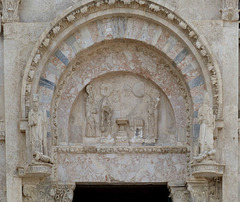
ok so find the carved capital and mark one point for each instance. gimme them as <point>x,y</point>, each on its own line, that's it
<point>178,193</point>
<point>10,10</point>
<point>57,192</point>
<point>48,192</point>
<point>198,188</point>
<point>230,10</point>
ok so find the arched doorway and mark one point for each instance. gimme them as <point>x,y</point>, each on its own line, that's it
<point>121,90</point>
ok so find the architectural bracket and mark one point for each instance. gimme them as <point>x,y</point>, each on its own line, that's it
<point>35,170</point>
<point>207,170</point>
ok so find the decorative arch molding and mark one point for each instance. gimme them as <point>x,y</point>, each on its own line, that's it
<point>64,25</point>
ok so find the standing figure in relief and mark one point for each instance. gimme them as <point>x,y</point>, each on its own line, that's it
<point>206,120</point>
<point>152,110</point>
<point>90,111</point>
<point>106,116</point>
<point>37,120</point>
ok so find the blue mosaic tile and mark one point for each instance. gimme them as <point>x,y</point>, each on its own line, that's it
<point>198,81</point>
<point>62,57</point>
<point>195,114</point>
<point>46,83</point>
<point>181,56</point>
<point>196,129</point>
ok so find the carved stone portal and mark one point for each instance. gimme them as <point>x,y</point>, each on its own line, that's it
<point>121,109</point>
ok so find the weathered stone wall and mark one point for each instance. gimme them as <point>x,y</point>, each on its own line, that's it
<point>18,39</point>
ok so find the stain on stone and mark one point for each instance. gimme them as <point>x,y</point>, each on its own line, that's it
<point>181,56</point>
<point>62,57</point>
<point>46,83</point>
<point>198,81</point>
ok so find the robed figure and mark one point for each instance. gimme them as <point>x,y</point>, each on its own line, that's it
<point>37,120</point>
<point>206,119</point>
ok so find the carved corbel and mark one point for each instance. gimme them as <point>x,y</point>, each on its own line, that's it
<point>178,192</point>
<point>230,10</point>
<point>10,11</point>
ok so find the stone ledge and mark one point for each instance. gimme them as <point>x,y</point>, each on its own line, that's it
<point>207,170</point>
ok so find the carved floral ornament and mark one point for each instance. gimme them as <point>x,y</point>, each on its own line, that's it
<point>74,14</point>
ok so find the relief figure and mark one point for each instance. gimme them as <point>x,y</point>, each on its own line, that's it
<point>37,120</point>
<point>90,113</point>
<point>206,119</point>
<point>152,116</point>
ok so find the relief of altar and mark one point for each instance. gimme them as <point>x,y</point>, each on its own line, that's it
<point>122,109</point>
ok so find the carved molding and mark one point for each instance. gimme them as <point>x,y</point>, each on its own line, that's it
<point>78,12</point>
<point>10,11</point>
<point>119,149</point>
<point>230,11</point>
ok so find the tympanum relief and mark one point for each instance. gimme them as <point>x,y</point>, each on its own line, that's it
<point>121,109</point>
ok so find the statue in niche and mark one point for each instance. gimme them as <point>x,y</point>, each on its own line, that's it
<point>90,113</point>
<point>206,119</point>
<point>152,115</point>
<point>106,114</point>
<point>37,120</point>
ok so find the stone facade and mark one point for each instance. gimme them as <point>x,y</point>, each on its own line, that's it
<point>119,91</point>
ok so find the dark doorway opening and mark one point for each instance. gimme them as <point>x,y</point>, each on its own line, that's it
<point>121,193</point>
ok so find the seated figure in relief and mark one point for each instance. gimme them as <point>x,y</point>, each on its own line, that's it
<point>206,119</point>
<point>37,120</point>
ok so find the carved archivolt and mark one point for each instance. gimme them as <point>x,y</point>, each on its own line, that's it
<point>79,11</point>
